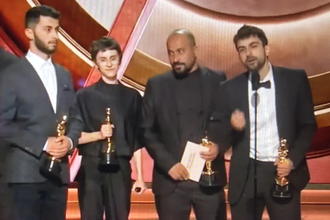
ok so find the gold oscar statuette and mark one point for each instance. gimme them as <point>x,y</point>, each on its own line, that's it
<point>282,189</point>
<point>108,155</point>
<point>52,166</point>
<point>208,178</point>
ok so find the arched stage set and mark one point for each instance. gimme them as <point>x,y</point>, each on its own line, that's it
<point>298,35</point>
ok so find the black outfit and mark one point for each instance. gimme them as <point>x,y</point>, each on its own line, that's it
<point>6,203</point>
<point>27,119</point>
<point>176,110</point>
<point>99,189</point>
<point>296,123</point>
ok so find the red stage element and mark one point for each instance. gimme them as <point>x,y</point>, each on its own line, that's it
<point>122,29</point>
<point>7,44</point>
<point>319,170</point>
<point>315,204</point>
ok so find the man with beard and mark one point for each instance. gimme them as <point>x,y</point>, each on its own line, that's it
<point>6,59</point>
<point>176,108</point>
<point>101,189</point>
<point>285,110</point>
<point>34,95</point>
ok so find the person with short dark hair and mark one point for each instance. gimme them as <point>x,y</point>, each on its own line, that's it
<point>284,111</point>
<point>101,189</point>
<point>247,31</point>
<point>177,106</point>
<point>103,44</point>
<point>35,93</point>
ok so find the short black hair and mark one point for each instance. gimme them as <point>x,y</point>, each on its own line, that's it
<point>103,44</point>
<point>32,16</point>
<point>247,31</point>
<point>185,32</point>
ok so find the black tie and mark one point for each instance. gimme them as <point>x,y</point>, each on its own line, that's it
<point>265,84</point>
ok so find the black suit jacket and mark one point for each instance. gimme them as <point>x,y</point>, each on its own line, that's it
<point>27,119</point>
<point>6,59</point>
<point>295,120</point>
<point>160,128</point>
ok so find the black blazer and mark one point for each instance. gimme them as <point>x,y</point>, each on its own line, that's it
<point>295,120</point>
<point>27,119</point>
<point>6,59</point>
<point>160,128</point>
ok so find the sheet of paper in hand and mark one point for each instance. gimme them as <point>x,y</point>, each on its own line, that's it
<point>192,160</point>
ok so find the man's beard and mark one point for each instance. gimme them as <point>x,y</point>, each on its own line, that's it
<point>185,72</point>
<point>260,64</point>
<point>42,46</point>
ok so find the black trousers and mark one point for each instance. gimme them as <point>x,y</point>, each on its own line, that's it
<point>39,201</point>
<point>208,203</point>
<point>278,208</point>
<point>102,191</point>
<point>6,200</point>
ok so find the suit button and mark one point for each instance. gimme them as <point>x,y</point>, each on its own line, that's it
<point>28,149</point>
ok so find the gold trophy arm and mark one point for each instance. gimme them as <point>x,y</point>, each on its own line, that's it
<point>283,158</point>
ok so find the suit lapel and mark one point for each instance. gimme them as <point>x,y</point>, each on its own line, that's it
<point>61,86</point>
<point>172,108</point>
<point>37,83</point>
<point>244,100</point>
<point>206,94</point>
<point>280,95</point>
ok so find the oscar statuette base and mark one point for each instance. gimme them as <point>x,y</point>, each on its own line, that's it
<point>208,179</point>
<point>281,191</point>
<point>51,167</point>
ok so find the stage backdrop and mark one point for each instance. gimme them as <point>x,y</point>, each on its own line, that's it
<point>296,29</point>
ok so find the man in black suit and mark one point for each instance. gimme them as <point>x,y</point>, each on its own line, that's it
<point>6,59</point>
<point>34,95</point>
<point>176,108</point>
<point>285,110</point>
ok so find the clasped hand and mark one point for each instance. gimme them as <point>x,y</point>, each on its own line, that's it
<point>58,147</point>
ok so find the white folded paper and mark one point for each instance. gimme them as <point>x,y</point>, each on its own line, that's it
<point>192,160</point>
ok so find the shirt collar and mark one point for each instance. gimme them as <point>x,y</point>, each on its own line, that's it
<point>36,61</point>
<point>268,77</point>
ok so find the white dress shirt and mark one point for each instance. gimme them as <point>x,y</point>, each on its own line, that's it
<point>267,131</point>
<point>47,74</point>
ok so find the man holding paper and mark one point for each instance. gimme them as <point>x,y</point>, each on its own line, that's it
<point>176,108</point>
